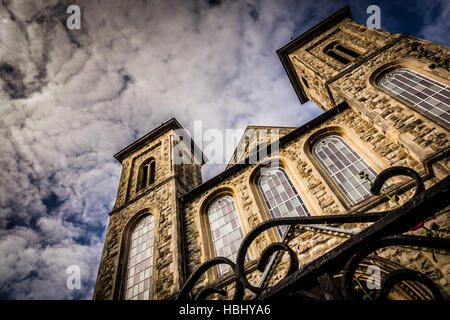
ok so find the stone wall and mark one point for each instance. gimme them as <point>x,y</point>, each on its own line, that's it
<point>319,195</point>
<point>160,150</point>
<point>416,133</point>
<point>254,136</point>
<point>312,64</point>
<point>382,129</point>
<point>331,82</point>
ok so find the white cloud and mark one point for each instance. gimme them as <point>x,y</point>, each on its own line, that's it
<point>30,271</point>
<point>71,99</point>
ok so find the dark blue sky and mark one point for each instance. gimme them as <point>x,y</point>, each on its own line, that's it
<point>397,16</point>
<point>404,16</point>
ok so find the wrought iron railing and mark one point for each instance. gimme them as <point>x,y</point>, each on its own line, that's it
<point>387,229</point>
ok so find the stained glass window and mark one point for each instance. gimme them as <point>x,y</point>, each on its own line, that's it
<point>418,91</point>
<point>226,230</point>
<point>140,260</point>
<point>343,164</point>
<point>280,195</point>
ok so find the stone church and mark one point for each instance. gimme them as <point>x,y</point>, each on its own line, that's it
<point>386,103</point>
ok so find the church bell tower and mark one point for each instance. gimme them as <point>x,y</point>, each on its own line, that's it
<point>142,254</point>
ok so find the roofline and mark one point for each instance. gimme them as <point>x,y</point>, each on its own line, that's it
<point>254,127</point>
<point>164,127</point>
<point>282,141</point>
<point>293,45</point>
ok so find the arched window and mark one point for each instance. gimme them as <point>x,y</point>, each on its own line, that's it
<point>226,232</point>
<point>146,174</point>
<point>418,91</point>
<point>140,261</point>
<point>343,164</point>
<point>280,195</point>
<point>340,52</point>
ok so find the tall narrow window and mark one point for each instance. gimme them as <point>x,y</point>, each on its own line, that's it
<point>347,51</point>
<point>337,57</point>
<point>140,260</point>
<point>226,230</point>
<point>280,195</point>
<point>343,164</point>
<point>146,174</point>
<point>340,53</point>
<point>305,82</point>
<point>418,91</point>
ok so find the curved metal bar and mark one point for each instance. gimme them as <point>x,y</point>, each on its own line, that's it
<point>329,287</point>
<point>405,240</point>
<point>274,247</point>
<point>397,171</point>
<point>240,265</point>
<point>406,274</point>
<point>189,285</point>
<point>267,253</point>
<point>347,255</point>
<point>255,232</point>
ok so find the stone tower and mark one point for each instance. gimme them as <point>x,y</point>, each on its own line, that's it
<point>152,178</point>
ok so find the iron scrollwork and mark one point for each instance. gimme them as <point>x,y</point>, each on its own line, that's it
<point>387,230</point>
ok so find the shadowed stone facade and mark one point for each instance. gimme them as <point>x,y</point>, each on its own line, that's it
<point>384,130</point>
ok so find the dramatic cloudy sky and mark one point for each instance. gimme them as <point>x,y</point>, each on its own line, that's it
<point>71,99</point>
